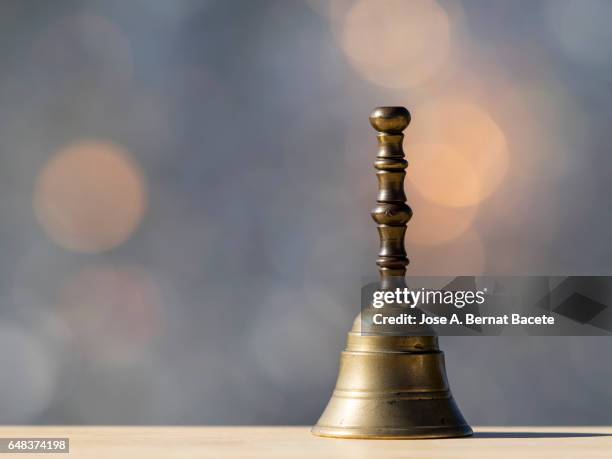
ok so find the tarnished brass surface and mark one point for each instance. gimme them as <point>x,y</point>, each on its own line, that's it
<point>391,386</point>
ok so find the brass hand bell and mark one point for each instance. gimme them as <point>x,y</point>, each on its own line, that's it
<point>391,386</point>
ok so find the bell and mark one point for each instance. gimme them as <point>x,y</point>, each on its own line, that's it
<point>391,386</point>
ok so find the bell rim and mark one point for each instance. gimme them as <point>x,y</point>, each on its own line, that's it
<point>393,433</point>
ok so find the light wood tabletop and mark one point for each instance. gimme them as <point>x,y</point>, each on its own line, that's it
<point>297,442</point>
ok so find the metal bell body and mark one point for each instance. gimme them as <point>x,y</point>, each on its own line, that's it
<point>392,387</point>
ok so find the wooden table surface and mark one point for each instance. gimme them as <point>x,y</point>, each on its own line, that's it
<point>297,442</point>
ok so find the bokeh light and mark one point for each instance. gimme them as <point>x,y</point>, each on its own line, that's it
<point>90,197</point>
<point>444,175</point>
<point>464,156</point>
<point>29,374</point>
<point>432,224</point>
<point>394,43</point>
<point>114,312</point>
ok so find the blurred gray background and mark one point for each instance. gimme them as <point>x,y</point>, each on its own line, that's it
<point>185,190</point>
